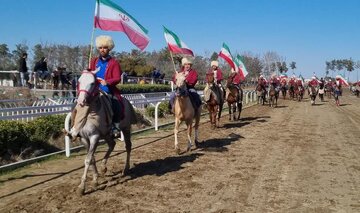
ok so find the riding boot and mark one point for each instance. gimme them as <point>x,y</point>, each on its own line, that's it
<point>116,132</point>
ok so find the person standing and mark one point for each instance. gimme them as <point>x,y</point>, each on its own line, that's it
<point>23,69</point>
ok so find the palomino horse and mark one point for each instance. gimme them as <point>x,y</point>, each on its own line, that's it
<point>273,95</point>
<point>185,111</point>
<point>283,90</point>
<point>313,93</point>
<point>260,92</point>
<point>234,100</point>
<point>216,101</point>
<point>98,124</point>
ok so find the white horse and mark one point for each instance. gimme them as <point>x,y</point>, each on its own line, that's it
<point>98,124</point>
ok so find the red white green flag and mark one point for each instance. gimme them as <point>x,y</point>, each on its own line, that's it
<point>242,69</point>
<point>226,55</point>
<point>111,17</point>
<point>175,45</point>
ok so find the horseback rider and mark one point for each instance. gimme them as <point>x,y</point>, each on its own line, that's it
<point>234,79</point>
<point>337,89</point>
<point>262,84</point>
<point>275,82</point>
<point>218,77</point>
<point>190,80</point>
<point>314,82</point>
<point>108,76</point>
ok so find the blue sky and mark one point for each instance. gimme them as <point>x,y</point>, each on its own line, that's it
<point>306,31</point>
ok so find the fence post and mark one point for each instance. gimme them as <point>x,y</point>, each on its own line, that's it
<point>157,116</point>
<point>67,138</point>
<point>172,86</point>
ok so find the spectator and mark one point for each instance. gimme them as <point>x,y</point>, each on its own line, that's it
<point>23,69</point>
<point>41,69</point>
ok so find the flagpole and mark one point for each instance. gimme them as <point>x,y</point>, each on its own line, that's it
<point>91,45</point>
<point>172,59</point>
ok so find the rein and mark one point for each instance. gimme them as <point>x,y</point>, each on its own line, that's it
<point>94,90</point>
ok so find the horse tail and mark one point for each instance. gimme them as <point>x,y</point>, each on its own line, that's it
<point>133,117</point>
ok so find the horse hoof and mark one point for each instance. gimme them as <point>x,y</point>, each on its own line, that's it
<point>80,191</point>
<point>94,184</point>
<point>188,149</point>
<point>125,172</point>
<point>177,151</point>
<point>196,144</point>
<point>103,171</point>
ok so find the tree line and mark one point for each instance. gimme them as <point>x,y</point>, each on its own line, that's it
<point>136,63</point>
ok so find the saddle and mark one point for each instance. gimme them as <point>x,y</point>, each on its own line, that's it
<point>117,107</point>
<point>217,92</point>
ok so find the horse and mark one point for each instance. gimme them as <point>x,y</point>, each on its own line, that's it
<point>298,92</point>
<point>283,90</point>
<point>292,91</point>
<point>273,95</point>
<point>215,102</point>
<point>234,100</point>
<point>312,93</point>
<point>260,92</point>
<point>328,90</point>
<point>185,111</point>
<point>98,125</point>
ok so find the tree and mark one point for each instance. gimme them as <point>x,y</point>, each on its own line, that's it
<point>214,56</point>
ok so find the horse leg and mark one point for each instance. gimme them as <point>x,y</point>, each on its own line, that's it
<point>229,106</point>
<point>176,130</point>
<point>239,109</point>
<point>196,127</point>
<point>89,158</point>
<point>111,144</point>
<point>234,106</point>
<point>189,130</point>
<point>128,144</point>
<point>219,114</point>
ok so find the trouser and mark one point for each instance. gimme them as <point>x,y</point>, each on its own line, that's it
<point>194,98</point>
<point>23,78</point>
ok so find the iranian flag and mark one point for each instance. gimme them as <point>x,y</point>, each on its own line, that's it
<point>111,17</point>
<point>226,55</point>
<point>242,69</point>
<point>175,45</point>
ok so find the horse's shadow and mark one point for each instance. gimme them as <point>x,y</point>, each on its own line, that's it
<point>344,104</point>
<point>218,144</point>
<point>157,167</point>
<point>281,106</point>
<point>236,125</point>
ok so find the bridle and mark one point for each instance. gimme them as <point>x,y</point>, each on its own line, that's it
<point>94,91</point>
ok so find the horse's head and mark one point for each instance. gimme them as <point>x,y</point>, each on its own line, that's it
<point>86,86</point>
<point>210,79</point>
<point>181,88</point>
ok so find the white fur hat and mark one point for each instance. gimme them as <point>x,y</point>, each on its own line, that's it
<point>215,63</point>
<point>104,41</point>
<point>261,76</point>
<point>338,77</point>
<point>186,61</point>
<point>313,77</point>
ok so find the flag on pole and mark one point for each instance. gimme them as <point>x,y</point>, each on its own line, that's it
<point>242,69</point>
<point>111,17</point>
<point>175,45</point>
<point>226,55</point>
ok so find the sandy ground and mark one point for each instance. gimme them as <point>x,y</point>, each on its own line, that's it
<point>294,158</point>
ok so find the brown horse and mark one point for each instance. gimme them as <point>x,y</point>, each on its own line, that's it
<point>298,92</point>
<point>98,125</point>
<point>283,89</point>
<point>234,99</point>
<point>215,102</point>
<point>273,96</point>
<point>260,92</point>
<point>185,111</point>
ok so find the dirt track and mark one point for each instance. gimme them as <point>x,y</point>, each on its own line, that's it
<point>295,158</point>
